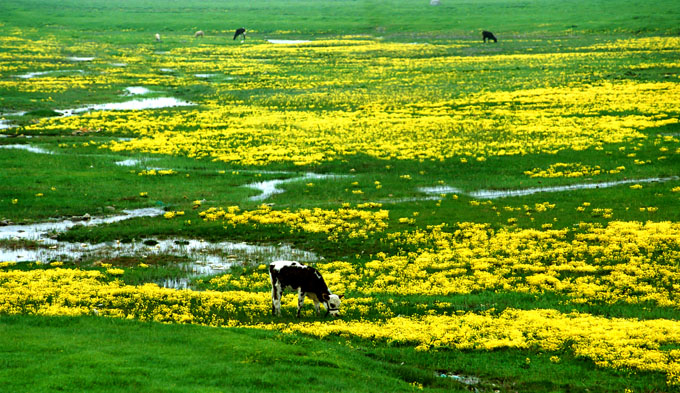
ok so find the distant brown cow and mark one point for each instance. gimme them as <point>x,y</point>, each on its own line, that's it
<point>198,34</point>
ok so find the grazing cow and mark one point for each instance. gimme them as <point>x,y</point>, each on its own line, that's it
<point>198,34</point>
<point>240,31</point>
<point>307,281</point>
<point>488,35</point>
<point>158,37</point>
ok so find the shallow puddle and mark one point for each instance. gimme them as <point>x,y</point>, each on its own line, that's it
<point>464,379</point>
<point>137,90</point>
<point>30,148</point>
<point>30,75</point>
<point>270,187</point>
<point>132,105</point>
<point>206,258</point>
<point>36,74</point>
<point>129,162</point>
<point>77,58</point>
<point>441,190</point>
<point>494,194</point>
<point>41,230</point>
<point>5,124</point>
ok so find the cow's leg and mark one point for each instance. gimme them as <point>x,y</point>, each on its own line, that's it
<point>316,307</point>
<point>271,280</point>
<point>273,296</point>
<point>301,300</point>
<point>277,291</point>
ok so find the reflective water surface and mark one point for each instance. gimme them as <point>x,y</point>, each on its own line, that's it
<point>204,258</point>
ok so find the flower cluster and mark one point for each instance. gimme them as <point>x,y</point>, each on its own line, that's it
<point>608,342</point>
<point>353,223</point>
<point>575,169</point>
<point>627,262</point>
<point>393,121</point>
<point>157,172</point>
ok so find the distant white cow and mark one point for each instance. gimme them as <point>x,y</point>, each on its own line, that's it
<point>198,34</point>
<point>307,281</point>
<point>158,37</point>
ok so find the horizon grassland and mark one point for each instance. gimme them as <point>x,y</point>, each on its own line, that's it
<point>500,217</point>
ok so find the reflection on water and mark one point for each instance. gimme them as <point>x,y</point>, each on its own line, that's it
<point>137,90</point>
<point>30,148</point>
<point>30,75</point>
<point>270,187</point>
<point>129,162</point>
<point>77,58</point>
<point>205,258</point>
<point>41,230</point>
<point>132,105</point>
<point>5,124</point>
<point>493,194</point>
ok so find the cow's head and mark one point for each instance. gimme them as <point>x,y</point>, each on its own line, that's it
<point>333,302</point>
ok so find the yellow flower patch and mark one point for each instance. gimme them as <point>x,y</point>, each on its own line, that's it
<point>352,222</point>
<point>320,125</point>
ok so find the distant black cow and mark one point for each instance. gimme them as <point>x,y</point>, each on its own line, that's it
<point>291,275</point>
<point>488,35</point>
<point>240,31</point>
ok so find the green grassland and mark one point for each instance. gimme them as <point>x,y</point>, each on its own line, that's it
<point>45,354</point>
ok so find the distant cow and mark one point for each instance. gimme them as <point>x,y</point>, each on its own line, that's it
<point>198,34</point>
<point>291,275</point>
<point>158,37</point>
<point>240,31</point>
<point>488,35</point>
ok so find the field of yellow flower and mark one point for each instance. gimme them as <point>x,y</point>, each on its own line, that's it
<point>466,198</point>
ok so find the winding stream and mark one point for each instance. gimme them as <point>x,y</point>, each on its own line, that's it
<point>494,194</point>
<point>270,187</point>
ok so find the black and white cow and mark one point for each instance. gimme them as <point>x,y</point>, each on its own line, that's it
<point>240,31</point>
<point>307,281</point>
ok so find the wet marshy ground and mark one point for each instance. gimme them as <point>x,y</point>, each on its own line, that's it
<point>37,242</point>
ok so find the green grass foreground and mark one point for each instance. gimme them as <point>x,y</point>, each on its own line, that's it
<point>40,354</point>
<point>48,354</point>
